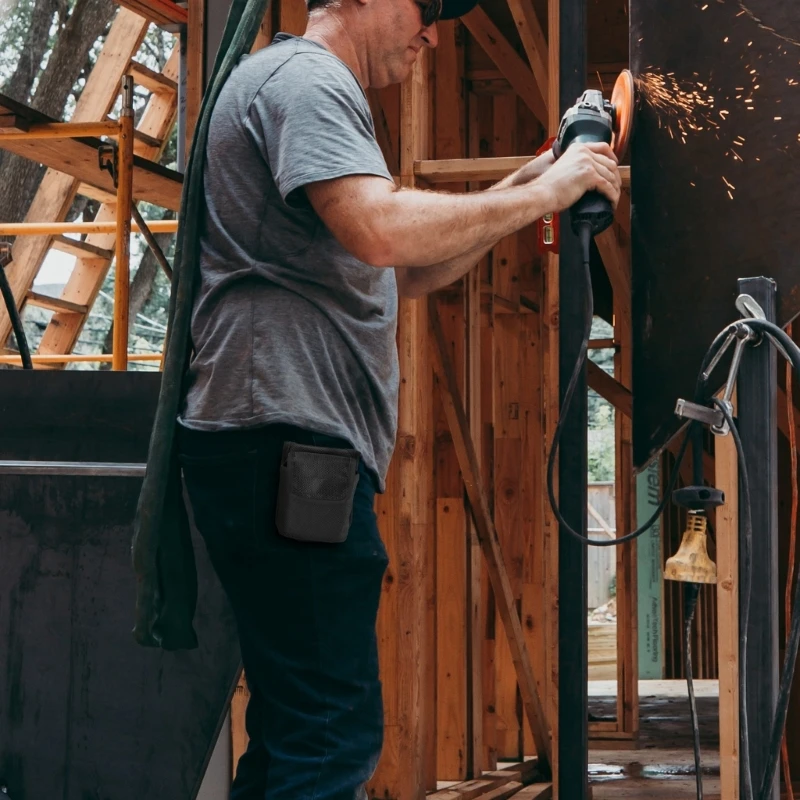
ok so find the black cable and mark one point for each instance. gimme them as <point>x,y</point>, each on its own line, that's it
<point>691,592</point>
<point>585,234</point>
<point>16,322</point>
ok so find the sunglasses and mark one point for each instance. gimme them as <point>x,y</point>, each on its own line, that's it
<point>430,12</point>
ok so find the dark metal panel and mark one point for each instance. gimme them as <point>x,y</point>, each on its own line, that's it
<point>573,708</point>
<point>757,421</point>
<point>85,711</point>
<point>690,240</point>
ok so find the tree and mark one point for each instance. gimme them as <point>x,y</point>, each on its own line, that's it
<point>46,78</point>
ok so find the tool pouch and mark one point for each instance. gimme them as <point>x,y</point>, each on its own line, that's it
<point>316,491</point>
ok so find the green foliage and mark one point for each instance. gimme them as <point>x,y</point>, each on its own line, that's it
<point>601,438</point>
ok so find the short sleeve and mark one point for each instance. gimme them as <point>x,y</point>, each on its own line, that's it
<point>312,122</point>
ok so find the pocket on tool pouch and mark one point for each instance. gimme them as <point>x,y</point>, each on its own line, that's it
<point>316,491</point>
<point>223,492</point>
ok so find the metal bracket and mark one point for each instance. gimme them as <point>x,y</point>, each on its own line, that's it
<point>685,409</point>
<point>107,155</point>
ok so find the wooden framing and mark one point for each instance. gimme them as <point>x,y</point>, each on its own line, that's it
<point>469,652</point>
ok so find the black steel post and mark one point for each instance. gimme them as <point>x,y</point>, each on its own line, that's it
<point>573,658</point>
<point>757,423</point>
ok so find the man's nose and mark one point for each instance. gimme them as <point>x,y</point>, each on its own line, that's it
<point>430,35</point>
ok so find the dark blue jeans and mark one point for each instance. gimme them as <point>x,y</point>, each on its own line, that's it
<point>306,617</point>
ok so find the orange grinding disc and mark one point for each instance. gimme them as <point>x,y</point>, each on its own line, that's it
<point>622,99</point>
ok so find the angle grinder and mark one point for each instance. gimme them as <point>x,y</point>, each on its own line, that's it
<point>594,119</point>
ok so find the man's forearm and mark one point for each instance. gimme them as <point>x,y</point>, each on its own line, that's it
<point>419,229</point>
<point>418,282</point>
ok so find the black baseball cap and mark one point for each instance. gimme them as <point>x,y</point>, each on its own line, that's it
<point>452,9</point>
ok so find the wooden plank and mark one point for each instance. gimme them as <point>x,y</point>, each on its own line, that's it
<point>407,666</point>
<point>56,191</point>
<point>609,388</point>
<point>78,157</point>
<point>627,655</point>
<point>54,303</point>
<point>293,16</point>
<point>532,36</point>
<point>87,277</point>
<point>451,659</point>
<point>505,264</point>
<point>79,248</point>
<point>540,791</point>
<point>727,538</point>
<point>488,536</point>
<point>479,169</point>
<point>513,68</point>
<point>150,79</point>
<point>162,12</point>
<point>550,404</point>
<point>195,70</point>
<point>266,29</point>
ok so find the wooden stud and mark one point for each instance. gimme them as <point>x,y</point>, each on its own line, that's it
<point>195,69</point>
<point>407,505</point>
<point>727,538</point>
<point>489,539</point>
<point>513,68</point>
<point>627,591</point>
<point>451,660</point>
<point>293,16</point>
<point>609,388</point>
<point>550,360</point>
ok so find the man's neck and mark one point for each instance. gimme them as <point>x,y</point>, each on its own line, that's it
<point>328,30</point>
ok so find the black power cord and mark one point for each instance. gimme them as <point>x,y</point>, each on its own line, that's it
<point>13,315</point>
<point>585,235</point>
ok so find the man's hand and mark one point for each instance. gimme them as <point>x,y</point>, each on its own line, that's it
<point>582,168</point>
<point>535,168</point>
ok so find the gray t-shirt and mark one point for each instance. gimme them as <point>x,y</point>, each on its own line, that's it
<point>287,325</point>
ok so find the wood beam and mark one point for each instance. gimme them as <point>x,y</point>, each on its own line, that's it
<point>54,303</point>
<point>150,79</point>
<point>87,277</point>
<point>490,543</point>
<point>79,248</point>
<point>452,170</point>
<point>57,190</point>
<point>162,12</point>
<point>405,510</point>
<point>609,388</point>
<point>78,158</point>
<point>510,64</point>
<point>532,36</point>
<point>727,538</point>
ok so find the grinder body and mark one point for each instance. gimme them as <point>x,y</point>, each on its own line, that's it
<point>590,120</point>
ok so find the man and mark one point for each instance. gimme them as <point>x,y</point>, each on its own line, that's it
<point>289,419</point>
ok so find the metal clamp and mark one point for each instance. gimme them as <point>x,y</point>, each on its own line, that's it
<point>107,159</point>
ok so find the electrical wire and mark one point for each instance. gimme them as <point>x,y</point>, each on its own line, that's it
<point>791,351</point>
<point>691,592</point>
<point>585,236</point>
<point>16,321</point>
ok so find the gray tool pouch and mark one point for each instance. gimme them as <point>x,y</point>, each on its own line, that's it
<point>316,491</point>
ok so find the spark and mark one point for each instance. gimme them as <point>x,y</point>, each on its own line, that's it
<point>704,7</point>
<point>725,39</point>
<point>728,183</point>
<point>777,118</point>
<point>730,195</point>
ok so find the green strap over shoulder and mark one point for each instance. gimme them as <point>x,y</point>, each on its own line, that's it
<point>163,558</point>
